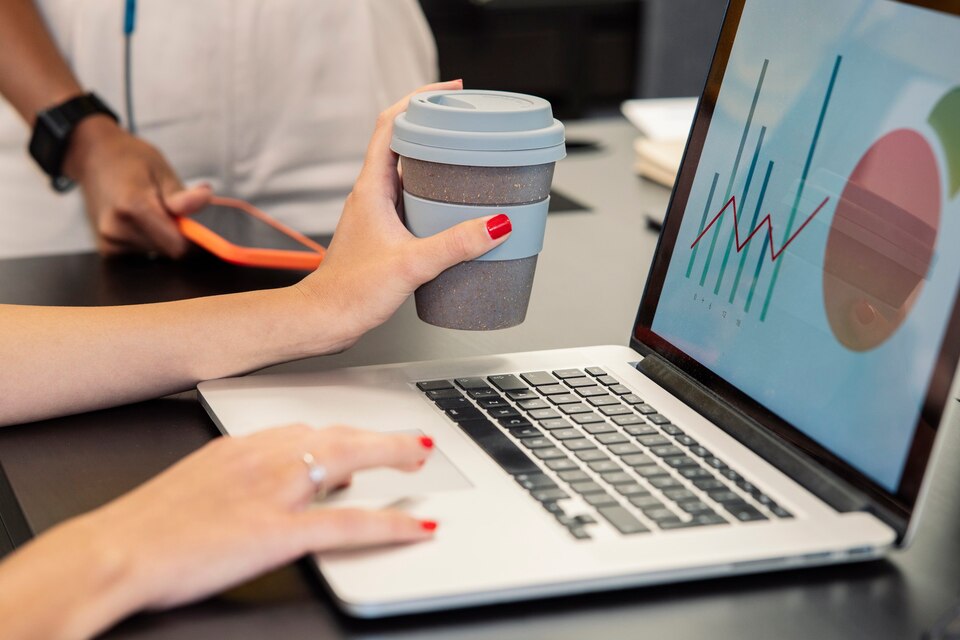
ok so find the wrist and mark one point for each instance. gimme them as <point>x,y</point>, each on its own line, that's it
<point>89,133</point>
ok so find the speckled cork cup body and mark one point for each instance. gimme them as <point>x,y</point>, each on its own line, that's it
<point>470,154</point>
<point>480,295</point>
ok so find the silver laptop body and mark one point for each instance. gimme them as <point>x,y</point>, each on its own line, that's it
<point>778,405</point>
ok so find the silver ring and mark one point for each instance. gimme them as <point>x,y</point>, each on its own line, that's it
<point>317,474</point>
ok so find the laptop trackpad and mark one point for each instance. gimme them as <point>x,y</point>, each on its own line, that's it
<point>379,488</point>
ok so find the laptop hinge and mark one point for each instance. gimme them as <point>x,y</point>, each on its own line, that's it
<point>806,471</point>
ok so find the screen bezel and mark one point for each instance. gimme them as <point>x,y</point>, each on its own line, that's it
<point>903,500</point>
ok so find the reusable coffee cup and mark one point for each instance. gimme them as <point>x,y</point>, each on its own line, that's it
<point>468,154</point>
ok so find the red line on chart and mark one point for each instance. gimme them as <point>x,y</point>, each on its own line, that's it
<point>766,221</point>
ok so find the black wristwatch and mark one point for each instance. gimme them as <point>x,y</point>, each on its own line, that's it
<point>52,131</point>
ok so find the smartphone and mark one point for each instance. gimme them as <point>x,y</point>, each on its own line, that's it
<point>239,233</point>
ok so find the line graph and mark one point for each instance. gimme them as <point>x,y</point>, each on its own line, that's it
<point>739,203</point>
<point>766,222</point>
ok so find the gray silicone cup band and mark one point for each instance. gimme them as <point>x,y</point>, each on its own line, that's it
<point>428,217</point>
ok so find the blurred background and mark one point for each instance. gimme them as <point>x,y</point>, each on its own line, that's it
<point>585,56</point>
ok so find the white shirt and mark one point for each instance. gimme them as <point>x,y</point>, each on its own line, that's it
<point>272,101</point>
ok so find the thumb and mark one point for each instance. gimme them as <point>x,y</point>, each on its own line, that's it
<point>184,202</point>
<point>465,241</point>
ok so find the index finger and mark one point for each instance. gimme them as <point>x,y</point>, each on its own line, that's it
<point>344,451</point>
<point>380,161</point>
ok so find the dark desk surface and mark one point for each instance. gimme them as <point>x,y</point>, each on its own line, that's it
<point>59,468</point>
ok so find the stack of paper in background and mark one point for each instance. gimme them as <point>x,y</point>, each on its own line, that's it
<point>664,124</point>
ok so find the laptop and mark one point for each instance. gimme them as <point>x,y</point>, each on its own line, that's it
<point>793,356</point>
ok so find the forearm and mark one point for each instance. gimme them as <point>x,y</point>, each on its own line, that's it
<point>68,583</point>
<point>65,360</point>
<point>33,73</point>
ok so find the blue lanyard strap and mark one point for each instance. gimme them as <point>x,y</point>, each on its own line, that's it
<point>130,17</point>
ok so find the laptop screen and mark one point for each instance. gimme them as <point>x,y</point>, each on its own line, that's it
<point>811,256</point>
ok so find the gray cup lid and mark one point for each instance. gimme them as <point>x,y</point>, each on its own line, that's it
<point>478,127</point>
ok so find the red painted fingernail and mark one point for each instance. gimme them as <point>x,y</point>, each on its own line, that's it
<point>426,442</point>
<point>499,226</point>
<point>428,525</point>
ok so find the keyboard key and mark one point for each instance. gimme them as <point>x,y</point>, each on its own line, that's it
<point>696,473</point>
<point>566,434</point>
<point>658,419</point>
<point>589,418</point>
<point>611,438</point>
<point>571,409</point>
<point>638,460</point>
<point>596,371</point>
<point>549,453</point>
<point>707,484</point>
<point>563,374</point>
<point>697,521</point>
<point>579,533</point>
<point>730,474</point>
<point>687,440</point>
<point>603,401</point>
<point>666,451</point>
<point>575,475</point>
<point>664,482</point>
<point>780,512</point>
<point>561,464</point>
<point>625,449</point>
<point>586,518</point>
<point>522,394</point>
<point>604,466</point>
<point>537,443</point>
<point>465,413</point>
<point>552,390</point>
<point>486,392</point>
<point>631,398</point>
<point>743,512</point>
<point>555,423</point>
<point>649,471</point>
<point>588,392</point>
<point>535,403</point>
<point>679,462</point>
<point>535,481</point>
<point>631,490</point>
<point>642,429</point>
<point>554,508</point>
<point>645,409</point>
<point>584,488</point>
<point>503,412</point>
<point>525,432</point>
<point>453,403</point>
<point>607,380</point>
<point>575,383</point>
<point>598,428</point>
<point>644,502</point>
<point>549,495</point>
<point>579,444</point>
<point>697,450</point>
<point>591,455</point>
<point>615,410</point>
<point>514,421</point>
<point>659,515</point>
<point>442,394</point>
<point>695,507</point>
<point>434,385</point>
<point>654,440</point>
<point>566,398</point>
<point>507,382</point>
<point>672,429</point>
<point>599,499</point>
<point>622,520</point>
<point>472,383</point>
<point>499,447</point>
<point>538,378</point>
<point>619,389</point>
<point>680,494</point>
<point>491,402</point>
<point>544,414</point>
<point>724,496</point>
<point>624,421</point>
<point>618,477</point>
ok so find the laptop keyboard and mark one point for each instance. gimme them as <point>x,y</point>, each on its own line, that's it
<point>582,432</point>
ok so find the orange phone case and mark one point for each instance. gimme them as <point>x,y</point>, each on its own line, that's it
<point>306,260</point>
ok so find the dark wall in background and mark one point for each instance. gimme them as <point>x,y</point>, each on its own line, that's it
<point>579,54</point>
